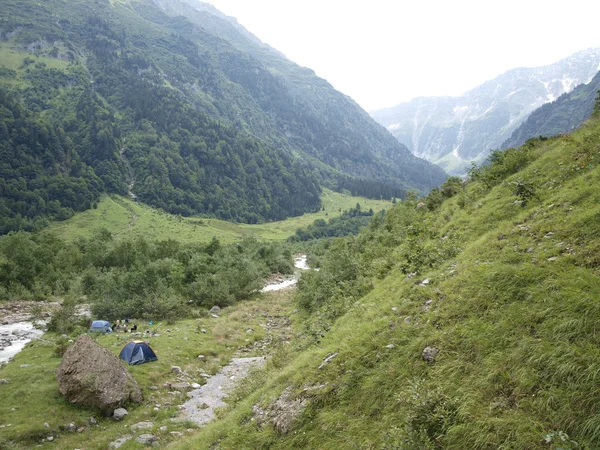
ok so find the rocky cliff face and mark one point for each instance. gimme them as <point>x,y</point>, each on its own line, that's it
<point>563,115</point>
<point>453,131</point>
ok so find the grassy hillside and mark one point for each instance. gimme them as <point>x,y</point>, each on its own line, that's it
<point>125,218</point>
<point>470,323</point>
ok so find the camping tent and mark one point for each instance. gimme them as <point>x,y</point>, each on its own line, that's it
<point>100,326</point>
<point>137,352</point>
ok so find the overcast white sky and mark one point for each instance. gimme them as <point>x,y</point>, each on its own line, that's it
<point>384,52</point>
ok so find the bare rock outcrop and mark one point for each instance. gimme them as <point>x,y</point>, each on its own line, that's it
<point>283,414</point>
<point>90,375</point>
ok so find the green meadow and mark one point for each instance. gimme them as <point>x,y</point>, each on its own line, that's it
<point>126,218</point>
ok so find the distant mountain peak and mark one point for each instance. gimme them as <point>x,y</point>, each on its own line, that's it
<point>453,131</point>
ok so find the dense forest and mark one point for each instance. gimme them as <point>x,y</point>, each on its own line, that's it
<point>136,277</point>
<point>123,95</point>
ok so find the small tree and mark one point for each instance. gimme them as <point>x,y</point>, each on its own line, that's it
<point>524,190</point>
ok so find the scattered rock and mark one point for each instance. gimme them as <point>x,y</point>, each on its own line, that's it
<point>202,357</point>
<point>202,330</point>
<point>50,438</point>
<point>390,346</point>
<point>529,250</point>
<point>430,353</point>
<point>120,413</point>
<point>4,381</point>
<point>176,369</point>
<point>425,282</point>
<point>141,426</point>
<point>176,434</point>
<point>93,421</point>
<point>71,428</point>
<point>328,359</point>
<point>553,258</point>
<point>501,237</point>
<point>163,428</point>
<point>550,234</point>
<point>196,386</point>
<point>146,439</point>
<point>394,308</point>
<point>214,316</point>
<point>91,376</point>
<point>283,414</point>
<point>184,386</point>
<point>215,310</point>
<point>119,442</point>
<point>23,366</point>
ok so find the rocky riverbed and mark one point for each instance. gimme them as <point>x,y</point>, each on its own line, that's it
<point>17,325</point>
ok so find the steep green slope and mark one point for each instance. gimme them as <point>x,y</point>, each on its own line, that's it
<point>563,115</point>
<point>467,321</point>
<point>306,113</point>
<point>190,122</point>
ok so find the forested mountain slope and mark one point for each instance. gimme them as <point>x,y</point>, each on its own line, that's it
<point>563,115</point>
<point>453,131</point>
<point>467,320</point>
<point>206,126</point>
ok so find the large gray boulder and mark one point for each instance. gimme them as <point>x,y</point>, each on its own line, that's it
<point>90,375</point>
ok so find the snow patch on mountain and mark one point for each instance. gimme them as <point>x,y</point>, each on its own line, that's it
<point>468,127</point>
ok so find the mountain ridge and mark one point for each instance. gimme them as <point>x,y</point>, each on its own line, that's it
<point>563,115</point>
<point>453,131</point>
<point>208,128</point>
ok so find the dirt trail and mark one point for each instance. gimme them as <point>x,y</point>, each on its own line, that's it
<point>200,406</point>
<point>130,177</point>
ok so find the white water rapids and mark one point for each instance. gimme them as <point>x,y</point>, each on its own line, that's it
<point>14,337</point>
<point>300,264</point>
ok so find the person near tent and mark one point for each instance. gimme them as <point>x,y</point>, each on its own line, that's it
<point>134,327</point>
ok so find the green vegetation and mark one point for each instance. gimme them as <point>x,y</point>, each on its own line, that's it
<point>125,218</point>
<point>465,323</point>
<point>122,96</point>
<point>31,399</point>
<point>350,222</point>
<point>137,277</point>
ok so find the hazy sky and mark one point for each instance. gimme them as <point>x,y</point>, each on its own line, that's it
<point>383,52</point>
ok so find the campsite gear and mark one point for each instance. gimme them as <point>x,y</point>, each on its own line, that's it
<point>137,352</point>
<point>100,326</point>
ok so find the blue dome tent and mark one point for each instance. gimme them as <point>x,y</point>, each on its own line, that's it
<point>100,326</point>
<point>137,352</point>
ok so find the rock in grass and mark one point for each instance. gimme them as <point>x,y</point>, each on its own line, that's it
<point>91,376</point>
<point>119,442</point>
<point>120,413</point>
<point>176,369</point>
<point>430,353</point>
<point>141,426</point>
<point>146,439</point>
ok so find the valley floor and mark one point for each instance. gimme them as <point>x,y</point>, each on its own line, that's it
<point>34,414</point>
